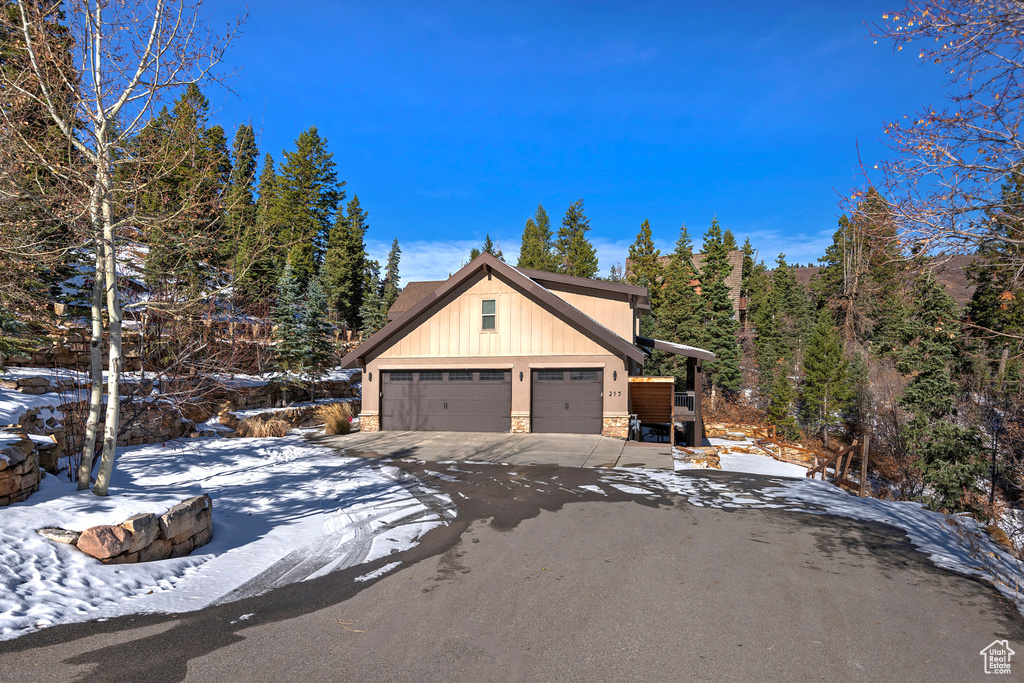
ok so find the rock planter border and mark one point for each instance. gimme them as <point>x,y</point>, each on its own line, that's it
<point>145,537</point>
<point>19,468</point>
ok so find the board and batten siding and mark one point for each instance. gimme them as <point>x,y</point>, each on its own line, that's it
<point>614,313</point>
<point>524,328</point>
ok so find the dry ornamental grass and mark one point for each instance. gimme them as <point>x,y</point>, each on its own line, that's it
<point>337,417</point>
<point>261,427</point>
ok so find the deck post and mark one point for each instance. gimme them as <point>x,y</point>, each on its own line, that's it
<point>698,417</point>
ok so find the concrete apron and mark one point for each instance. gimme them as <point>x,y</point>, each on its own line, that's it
<point>564,450</point>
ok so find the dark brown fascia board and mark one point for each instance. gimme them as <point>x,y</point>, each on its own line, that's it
<point>487,262</point>
<point>677,349</point>
<point>543,276</point>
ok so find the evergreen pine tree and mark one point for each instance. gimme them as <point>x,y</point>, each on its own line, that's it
<point>288,318</point>
<point>995,313</point>
<point>306,201</point>
<point>574,253</point>
<point>748,268</point>
<point>679,316</point>
<point>827,389</point>
<point>946,453</point>
<point>645,263</point>
<point>345,264</point>
<point>794,305</point>
<point>494,251</point>
<point>374,313</point>
<point>536,249</point>
<point>780,403</point>
<point>719,320</point>
<point>391,287</point>
<point>258,282</point>
<point>315,334</point>
<point>729,240</point>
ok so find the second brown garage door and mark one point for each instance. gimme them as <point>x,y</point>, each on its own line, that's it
<point>567,401</point>
<point>447,400</point>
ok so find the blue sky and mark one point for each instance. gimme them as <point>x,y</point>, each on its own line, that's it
<point>453,120</point>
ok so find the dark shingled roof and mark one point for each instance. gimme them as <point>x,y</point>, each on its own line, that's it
<point>413,293</point>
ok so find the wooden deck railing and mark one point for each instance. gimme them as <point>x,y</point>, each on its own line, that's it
<point>684,403</point>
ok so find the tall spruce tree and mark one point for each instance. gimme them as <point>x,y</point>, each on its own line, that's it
<point>374,313</point>
<point>288,318</point>
<point>645,267</point>
<point>780,403</point>
<point>719,314</point>
<point>574,253</point>
<point>258,282</point>
<point>315,333</point>
<point>392,278</point>
<point>184,179</point>
<point>947,455</point>
<point>748,267</point>
<point>536,249</point>
<point>345,264</point>
<point>995,313</point>
<point>244,251</point>
<point>679,315</point>
<point>490,248</point>
<point>729,240</point>
<point>828,387</point>
<point>307,196</point>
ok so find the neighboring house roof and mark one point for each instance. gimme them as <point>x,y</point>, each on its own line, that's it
<point>677,349</point>
<point>487,263</point>
<point>734,281</point>
<point>412,294</point>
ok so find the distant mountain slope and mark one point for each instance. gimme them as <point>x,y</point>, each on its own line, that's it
<point>950,271</point>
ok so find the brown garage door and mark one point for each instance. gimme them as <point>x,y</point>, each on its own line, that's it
<point>567,401</point>
<point>447,400</point>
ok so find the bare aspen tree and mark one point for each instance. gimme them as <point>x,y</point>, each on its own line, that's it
<point>943,185</point>
<point>126,58</point>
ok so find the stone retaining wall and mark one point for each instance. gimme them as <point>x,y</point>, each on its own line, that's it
<point>146,537</point>
<point>19,468</point>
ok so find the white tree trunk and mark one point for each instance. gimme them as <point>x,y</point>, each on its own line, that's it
<point>95,371</point>
<point>114,363</point>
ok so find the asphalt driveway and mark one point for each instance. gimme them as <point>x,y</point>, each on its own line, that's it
<point>564,450</point>
<point>559,574</point>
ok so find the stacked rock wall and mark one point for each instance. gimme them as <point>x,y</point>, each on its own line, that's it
<point>19,468</point>
<point>146,537</point>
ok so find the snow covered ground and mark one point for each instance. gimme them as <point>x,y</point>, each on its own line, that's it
<point>278,504</point>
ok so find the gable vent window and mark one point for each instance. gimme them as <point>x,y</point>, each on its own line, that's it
<point>489,308</point>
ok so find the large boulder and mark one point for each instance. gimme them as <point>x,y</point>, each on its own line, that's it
<point>104,541</point>
<point>185,519</point>
<point>144,529</point>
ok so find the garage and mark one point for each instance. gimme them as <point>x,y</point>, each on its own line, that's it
<point>447,400</point>
<point>569,401</point>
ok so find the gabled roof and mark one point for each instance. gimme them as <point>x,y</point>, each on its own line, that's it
<point>599,286</point>
<point>487,263</point>
<point>677,349</point>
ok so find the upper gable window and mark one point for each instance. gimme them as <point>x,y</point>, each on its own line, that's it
<point>489,310</point>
